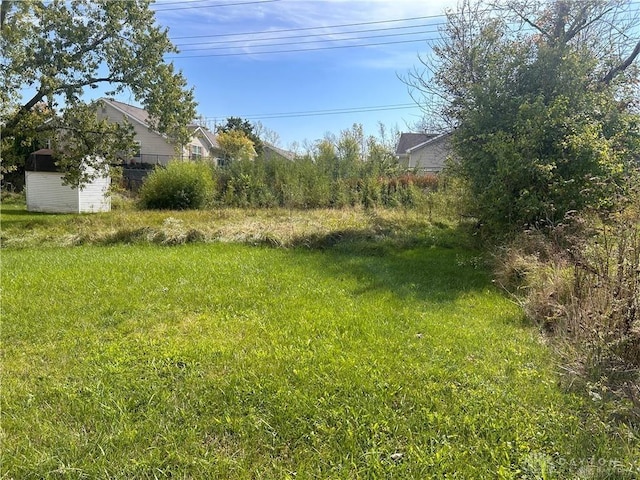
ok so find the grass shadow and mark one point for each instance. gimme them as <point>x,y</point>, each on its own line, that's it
<point>17,216</point>
<point>428,273</point>
<point>437,263</point>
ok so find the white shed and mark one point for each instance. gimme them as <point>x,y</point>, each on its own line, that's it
<point>47,193</point>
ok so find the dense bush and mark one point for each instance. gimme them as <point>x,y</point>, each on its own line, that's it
<point>544,113</point>
<point>180,186</point>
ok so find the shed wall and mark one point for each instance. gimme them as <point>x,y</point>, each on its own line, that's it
<point>45,193</point>
<point>94,197</point>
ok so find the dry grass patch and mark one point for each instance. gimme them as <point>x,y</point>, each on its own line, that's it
<point>276,227</point>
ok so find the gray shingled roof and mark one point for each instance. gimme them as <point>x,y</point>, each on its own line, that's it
<point>141,115</point>
<point>136,113</point>
<point>410,140</point>
<point>283,153</point>
<point>211,137</point>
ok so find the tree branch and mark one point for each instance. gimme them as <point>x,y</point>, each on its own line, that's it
<point>622,66</point>
<point>13,122</point>
<point>581,24</point>
<point>87,48</point>
<point>5,5</point>
<point>532,24</point>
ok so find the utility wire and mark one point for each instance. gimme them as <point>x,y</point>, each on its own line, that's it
<point>183,2</point>
<point>308,41</point>
<point>359,45</point>
<point>248,54</point>
<point>312,113</point>
<point>307,35</point>
<point>320,27</point>
<point>300,29</point>
<point>189,7</point>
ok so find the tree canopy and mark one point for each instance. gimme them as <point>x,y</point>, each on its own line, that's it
<point>54,52</point>
<point>543,100</point>
<point>238,124</point>
<point>236,145</point>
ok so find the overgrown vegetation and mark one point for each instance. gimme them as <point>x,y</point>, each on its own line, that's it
<point>581,282</point>
<point>348,171</point>
<point>276,227</point>
<point>543,98</point>
<point>179,186</point>
<point>318,183</point>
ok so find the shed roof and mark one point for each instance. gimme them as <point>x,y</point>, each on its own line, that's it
<point>41,161</point>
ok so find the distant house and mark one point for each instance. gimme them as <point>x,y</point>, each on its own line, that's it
<point>155,147</point>
<point>426,152</point>
<point>46,192</point>
<point>271,152</point>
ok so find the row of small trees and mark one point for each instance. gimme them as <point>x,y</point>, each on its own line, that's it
<point>322,179</point>
<point>350,169</point>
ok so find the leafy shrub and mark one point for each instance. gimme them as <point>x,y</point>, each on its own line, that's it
<point>180,186</point>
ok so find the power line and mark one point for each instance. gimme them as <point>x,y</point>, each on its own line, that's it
<point>313,113</point>
<point>300,29</point>
<point>189,7</point>
<point>308,35</point>
<point>309,41</point>
<point>300,50</point>
<point>183,2</point>
<point>175,57</point>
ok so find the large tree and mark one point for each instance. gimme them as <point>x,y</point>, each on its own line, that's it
<point>53,52</point>
<point>543,100</point>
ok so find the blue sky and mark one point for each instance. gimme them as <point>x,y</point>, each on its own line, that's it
<point>222,41</point>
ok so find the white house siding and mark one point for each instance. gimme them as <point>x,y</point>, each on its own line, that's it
<point>46,193</point>
<point>197,141</point>
<point>431,157</point>
<point>154,148</point>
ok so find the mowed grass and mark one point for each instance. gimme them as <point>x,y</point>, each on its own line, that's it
<point>232,361</point>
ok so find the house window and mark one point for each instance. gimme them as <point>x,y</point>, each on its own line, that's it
<point>196,152</point>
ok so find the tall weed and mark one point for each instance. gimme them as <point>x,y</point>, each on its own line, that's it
<point>581,282</point>
<point>317,183</point>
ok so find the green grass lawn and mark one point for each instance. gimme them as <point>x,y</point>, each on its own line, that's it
<point>223,360</point>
